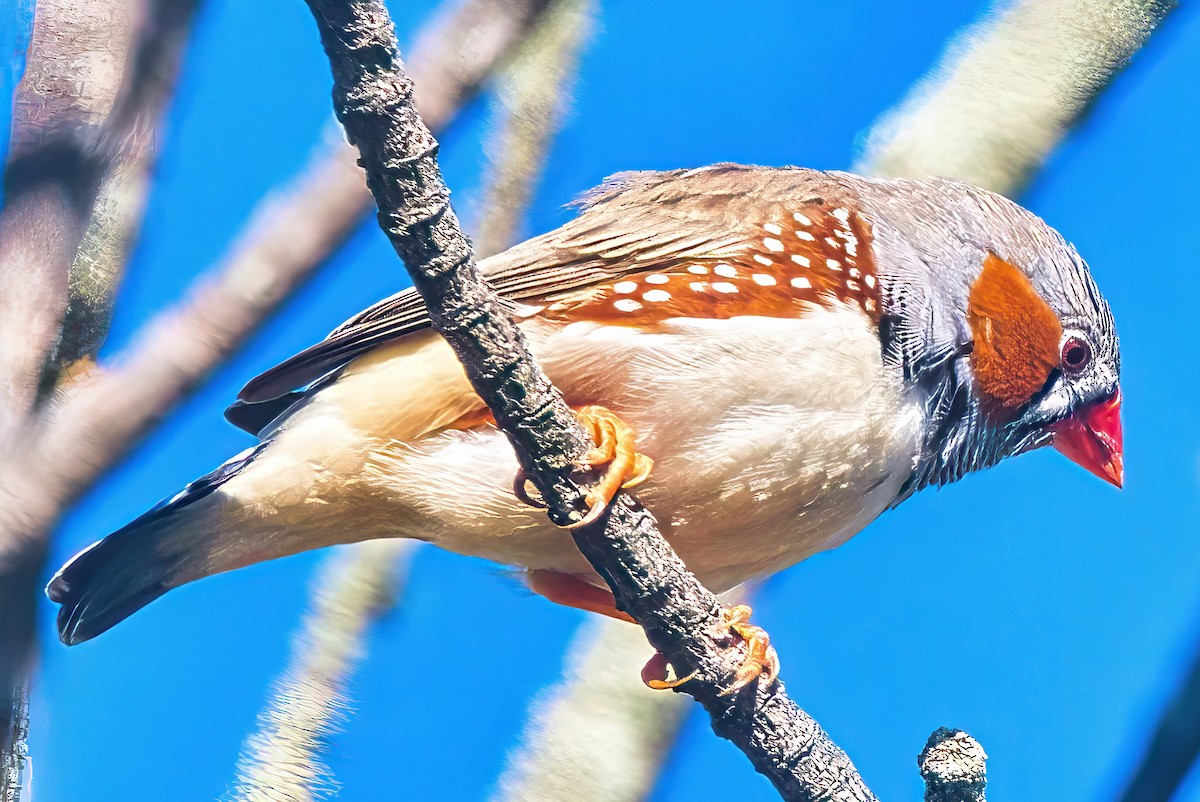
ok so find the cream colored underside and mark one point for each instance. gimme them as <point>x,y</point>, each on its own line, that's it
<point>773,439</point>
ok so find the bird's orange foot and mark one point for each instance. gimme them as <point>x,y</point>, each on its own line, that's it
<point>616,450</point>
<point>657,671</point>
<point>761,662</point>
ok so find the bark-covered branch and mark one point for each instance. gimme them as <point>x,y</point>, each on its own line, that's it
<point>954,767</point>
<point>373,99</point>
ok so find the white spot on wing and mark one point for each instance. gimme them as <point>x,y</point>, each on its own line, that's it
<point>763,280</point>
<point>728,271</point>
<point>625,287</point>
<point>800,282</point>
<point>771,228</point>
<point>657,278</point>
<point>773,244</point>
<point>724,286</point>
<point>626,305</point>
<point>656,296</point>
<point>801,260</point>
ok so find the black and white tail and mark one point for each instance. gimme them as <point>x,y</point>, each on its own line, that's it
<point>117,576</point>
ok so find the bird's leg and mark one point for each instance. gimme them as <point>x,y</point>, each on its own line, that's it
<point>573,591</point>
<point>616,448</point>
<point>570,590</point>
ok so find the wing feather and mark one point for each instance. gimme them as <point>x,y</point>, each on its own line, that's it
<point>631,224</point>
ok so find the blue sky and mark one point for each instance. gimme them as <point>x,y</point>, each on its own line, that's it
<point>1033,605</point>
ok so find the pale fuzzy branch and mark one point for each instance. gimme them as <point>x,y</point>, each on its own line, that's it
<point>291,234</point>
<point>954,767</point>
<point>117,212</point>
<point>531,97</point>
<point>373,99</point>
<point>597,735</point>
<point>95,82</point>
<point>57,155</point>
<point>284,759</point>
<point>281,762</point>
<point>1009,89</point>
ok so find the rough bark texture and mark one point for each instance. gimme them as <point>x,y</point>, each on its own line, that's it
<point>954,767</point>
<point>373,99</point>
<point>1008,90</point>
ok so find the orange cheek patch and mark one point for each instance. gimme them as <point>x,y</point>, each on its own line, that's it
<point>799,260</point>
<point>1016,335</point>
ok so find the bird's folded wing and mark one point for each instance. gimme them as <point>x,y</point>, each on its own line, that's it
<point>633,223</point>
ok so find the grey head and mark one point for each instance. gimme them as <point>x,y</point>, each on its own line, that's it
<point>997,322</point>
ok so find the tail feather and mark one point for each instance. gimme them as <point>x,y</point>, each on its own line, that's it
<point>115,577</point>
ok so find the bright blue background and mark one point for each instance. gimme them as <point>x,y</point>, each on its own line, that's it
<point>1033,606</point>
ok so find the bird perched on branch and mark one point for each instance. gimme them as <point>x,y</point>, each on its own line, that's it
<point>797,351</point>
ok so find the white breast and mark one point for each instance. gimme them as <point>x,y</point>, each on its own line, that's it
<point>773,439</point>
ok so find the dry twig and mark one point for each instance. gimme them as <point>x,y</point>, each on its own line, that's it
<point>373,99</point>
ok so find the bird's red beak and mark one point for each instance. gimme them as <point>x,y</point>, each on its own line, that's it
<point>1092,438</point>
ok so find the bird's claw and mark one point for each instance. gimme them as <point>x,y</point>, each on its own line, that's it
<point>616,448</point>
<point>761,661</point>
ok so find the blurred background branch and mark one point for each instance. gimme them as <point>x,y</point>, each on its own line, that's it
<point>1008,89</point>
<point>598,734</point>
<point>98,417</point>
<point>282,762</point>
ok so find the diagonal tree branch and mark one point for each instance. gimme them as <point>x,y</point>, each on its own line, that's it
<point>598,734</point>
<point>281,762</point>
<point>58,153</point>
<point>373,99</point>
<point>1009,89</point>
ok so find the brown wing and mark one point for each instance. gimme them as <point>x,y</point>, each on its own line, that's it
<point>770,233</point>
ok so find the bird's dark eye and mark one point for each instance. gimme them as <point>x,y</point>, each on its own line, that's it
<point>1076,354</point>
